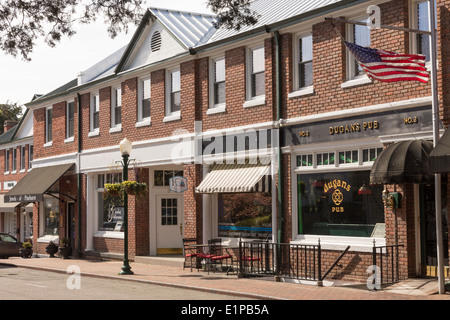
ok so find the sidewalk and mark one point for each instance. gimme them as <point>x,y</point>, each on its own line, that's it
<point>257,288</point>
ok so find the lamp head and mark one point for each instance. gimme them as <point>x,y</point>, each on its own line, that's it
<point>125,147</point>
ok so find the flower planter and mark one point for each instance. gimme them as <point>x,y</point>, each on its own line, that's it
<point>51,249</point>
<point>26,253</point>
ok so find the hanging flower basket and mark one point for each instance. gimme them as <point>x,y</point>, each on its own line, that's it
<point>135,188</point>
<point>113,189</point>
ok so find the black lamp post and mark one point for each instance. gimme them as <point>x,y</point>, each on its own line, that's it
<point>125,150</point>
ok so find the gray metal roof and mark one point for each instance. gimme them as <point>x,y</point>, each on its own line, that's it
<point>190,28</point>
<point>270,11</point>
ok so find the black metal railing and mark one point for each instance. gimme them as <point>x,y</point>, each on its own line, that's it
<point>385,266</point>
<point>293,261</point>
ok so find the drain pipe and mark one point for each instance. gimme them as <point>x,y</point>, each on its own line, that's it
<point>79,176</point>
<point>280,137</point>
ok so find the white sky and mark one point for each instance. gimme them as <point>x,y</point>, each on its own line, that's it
<point>53,67</point>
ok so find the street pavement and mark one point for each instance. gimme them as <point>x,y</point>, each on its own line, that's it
<point>219,282</point>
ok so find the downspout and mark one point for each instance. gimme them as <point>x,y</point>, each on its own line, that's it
<point>79,177</point>
<point>280,234</point>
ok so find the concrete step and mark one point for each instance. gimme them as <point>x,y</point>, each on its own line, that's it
<point>164,260</point>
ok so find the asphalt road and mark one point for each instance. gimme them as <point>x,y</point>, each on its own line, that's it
<point>26,284</point>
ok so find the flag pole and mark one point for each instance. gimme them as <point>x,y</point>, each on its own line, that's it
<point>435,116</point>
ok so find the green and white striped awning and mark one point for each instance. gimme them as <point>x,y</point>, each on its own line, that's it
<point>233,178</point>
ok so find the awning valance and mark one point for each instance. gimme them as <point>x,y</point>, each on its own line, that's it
<point>403,162</point>
<point>35,183</point>
<point>440,155</point>
<point>231,178</point>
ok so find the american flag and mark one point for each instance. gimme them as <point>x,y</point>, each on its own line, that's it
<point>390,66</point>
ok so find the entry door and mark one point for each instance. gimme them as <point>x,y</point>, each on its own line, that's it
<point>428,217</point>
<point>169,221</point>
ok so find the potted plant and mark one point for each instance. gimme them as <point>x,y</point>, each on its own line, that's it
<point>51,249</point>
<point>27,250</point>
<point>65,249</point>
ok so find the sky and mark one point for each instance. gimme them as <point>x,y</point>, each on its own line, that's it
<point>52,67</point>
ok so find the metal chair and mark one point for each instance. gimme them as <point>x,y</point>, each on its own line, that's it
<point>189,253</point>
<point>216,254</point>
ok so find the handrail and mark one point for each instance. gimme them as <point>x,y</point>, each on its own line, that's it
<point>334,264</point>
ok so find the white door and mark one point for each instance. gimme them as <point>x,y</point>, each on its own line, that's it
<point>169,217</point>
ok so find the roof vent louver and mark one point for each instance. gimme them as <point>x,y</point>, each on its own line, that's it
<point>155,43</point>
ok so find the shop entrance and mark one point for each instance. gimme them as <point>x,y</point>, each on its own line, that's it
<point>169,219</point>
<point>428,226</point>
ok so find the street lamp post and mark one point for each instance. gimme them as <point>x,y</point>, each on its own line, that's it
<point>125,150</point>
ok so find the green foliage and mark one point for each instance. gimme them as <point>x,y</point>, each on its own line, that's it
<point>27,245</point>
<point>9,111</point>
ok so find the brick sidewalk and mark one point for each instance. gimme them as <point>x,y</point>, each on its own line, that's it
<point>215,282</point>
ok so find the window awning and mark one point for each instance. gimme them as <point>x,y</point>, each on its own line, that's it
<point>440,155</point>
<point>6,207</point>
<point>34,184</point>
<point>403,162</point>
<point>232,178</point>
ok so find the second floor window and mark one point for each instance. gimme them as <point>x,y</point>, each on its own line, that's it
<point>359,35</point>
<point>22,158</point>
<point>422,22</point>
<point>7,160</point>
<point>175,92</point>
<point>48,125</point>
<point>116,111</point>
<point>14,160</point>
<point>257,79</point>
<point>30,156</point>
<point>70,118</point>
<point>144,99</point>
<point>95,112</point>
<point>305,63</point>
<point>219,81</point>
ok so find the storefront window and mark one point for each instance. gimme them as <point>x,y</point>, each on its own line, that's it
<point>51,216</point>
<point>245,215</point>
<point>110,208</point>
<point>335,204</point>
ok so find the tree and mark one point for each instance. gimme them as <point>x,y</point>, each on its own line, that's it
<point>24,21</point>
<point>9,111</point>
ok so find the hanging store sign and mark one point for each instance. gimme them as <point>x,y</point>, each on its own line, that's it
<point>178,184</point>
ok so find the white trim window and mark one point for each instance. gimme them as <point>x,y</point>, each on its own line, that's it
<point>70,119</point>
<point>359,35</point>
<point>48,125</point>
<point>30,156</point>
<point>420,43</point>
<point>144,101</point>
<point>116,107</point>
<point>95,113</point>
<point>14,160</point>
<point>304,59</point>
<point>7,165</point>
<point>256,76</point>
<point>218,83</point>
<point>22,158</point>
<point>173,106</point>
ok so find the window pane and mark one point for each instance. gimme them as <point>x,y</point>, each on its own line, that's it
<point>255,222</point>
<point>175,82</point>
<point>306,52</point>
<point>118,115</point>
<point>219,92</point>
<point>305,74</point>
<point>258,84</point>
<point>175,101</point>
<point>423,41</point>
<point>146,108</point>
<point>158,178</point>
<point>258,60</point>
<point>219,70</point>
<point>330,204</point>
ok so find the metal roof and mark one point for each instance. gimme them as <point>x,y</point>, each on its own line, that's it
<point>270,11</point>
<point>190,28</point>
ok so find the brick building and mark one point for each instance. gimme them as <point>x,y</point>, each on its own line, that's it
<point>279,111</point>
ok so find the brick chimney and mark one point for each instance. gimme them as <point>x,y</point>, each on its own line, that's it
<point>8,124</point>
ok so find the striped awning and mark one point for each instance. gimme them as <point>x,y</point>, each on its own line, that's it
<point>232,178</point>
